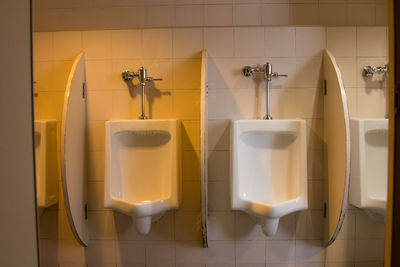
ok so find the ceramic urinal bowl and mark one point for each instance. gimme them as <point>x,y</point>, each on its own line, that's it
<point>142,176</point>
<point>268,169</point>
<point>46,163</point>
<point>369,165</point>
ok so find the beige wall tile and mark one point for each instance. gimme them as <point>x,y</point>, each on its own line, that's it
<point>361,14</point>
<point>341,41</point>
<point>280,42</point>
<point>42,46</point>
<point>160,16</point>
<point>160,253</point>
<point>304,14</point>
<point>191,165</point>
<point>91,41</point>
<point>190,135</point>
<point>162,229</point>
<point>44,76</point>
<point>130,253</point>
<point>219,42</point>
<point>157,43</point>
<point>250,252</point>
<point>187,74</point>
<point>372,41</point>
<point>247,14</point>
<point>187,43</point>
<point>191,199</point>
<point>99,105</point>
<point>99,75</point>
<point>187,225</point>
<point>249,42</point>
<point>126,44</point>
<point>218,15</point>
<point>280,251</point>
<point>332,14</point>
<point>189,15</point>
<point>310,41</point>
<point>275,14</point>
<point>66,45</point>
<point>222,225</point>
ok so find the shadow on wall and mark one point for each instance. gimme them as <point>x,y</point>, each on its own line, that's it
<point>151,94</point>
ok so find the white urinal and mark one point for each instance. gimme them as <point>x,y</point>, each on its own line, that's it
<point>46,163</point>
<point>268,169</point>
<point>369,165</point>
<point>142,172</point>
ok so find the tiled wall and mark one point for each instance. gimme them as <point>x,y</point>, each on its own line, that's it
<point>174,55</point>
<point>116,14</point>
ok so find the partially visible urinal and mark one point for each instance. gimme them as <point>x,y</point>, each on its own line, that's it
<point>269,169</point>
<point>46,163</point>
<point>142,176</point>
<point>369,165</point>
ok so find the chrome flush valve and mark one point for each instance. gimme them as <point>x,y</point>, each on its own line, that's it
<point>268,75</point>
<point>141,74</point>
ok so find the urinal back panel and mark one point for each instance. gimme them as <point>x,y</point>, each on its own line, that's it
<point>376,159</point>
<point>144,161</point>
<point>267,161</point>
<point>268,167</point>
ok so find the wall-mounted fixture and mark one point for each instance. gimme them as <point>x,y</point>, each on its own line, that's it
<point>142,169</point>
<point>143,77</point>
<point>268,75</point>
<point>268,164</point>
<point>269,170</point>
<point>46,163</point>
<point>369,71</point>
<point>369,160</point>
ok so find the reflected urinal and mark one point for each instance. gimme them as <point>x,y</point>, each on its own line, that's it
<point>142,172</point>
<point>46,163</point>
<point>369,166</point>
<point>268,169</point>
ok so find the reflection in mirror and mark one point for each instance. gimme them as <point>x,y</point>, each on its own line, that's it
<point>51,78</point>
<point>46,163</point>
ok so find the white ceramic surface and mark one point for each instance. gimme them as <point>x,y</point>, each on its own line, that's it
<point>268,169</point>
<point>46,163</point>
<point>142,170</point>
<point>369,160</point>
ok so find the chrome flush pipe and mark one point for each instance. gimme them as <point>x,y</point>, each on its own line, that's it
<point>268,74</point>
<point>268,78</point>
<point>142,79</point>
<point>128,76</point>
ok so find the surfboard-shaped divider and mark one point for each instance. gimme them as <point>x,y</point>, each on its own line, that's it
<point>204,148</point>
<point>73,151</point>
<point>337,147</point>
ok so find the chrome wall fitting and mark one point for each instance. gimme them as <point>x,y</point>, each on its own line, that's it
<point>141,74</point>
<point>268,75</point>
<point>369,71</point>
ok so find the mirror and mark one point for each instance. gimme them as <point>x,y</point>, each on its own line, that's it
<point>60,142</point>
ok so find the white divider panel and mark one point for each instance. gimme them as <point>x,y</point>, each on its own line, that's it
<point>204,148</point>
<point>337,142</point>
<point>73,151</point>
